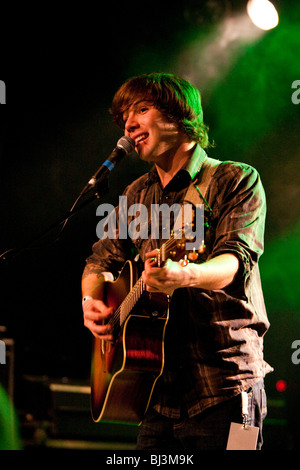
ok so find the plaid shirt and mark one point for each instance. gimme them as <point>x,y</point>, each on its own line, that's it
<point>214,339</point>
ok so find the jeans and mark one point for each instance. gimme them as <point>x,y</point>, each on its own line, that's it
<point>207,430</point>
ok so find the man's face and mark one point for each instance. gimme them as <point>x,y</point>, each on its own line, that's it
<point>155,137</point>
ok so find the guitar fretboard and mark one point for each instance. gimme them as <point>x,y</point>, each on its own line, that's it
<point>136,292</point>
<point>127,305</point>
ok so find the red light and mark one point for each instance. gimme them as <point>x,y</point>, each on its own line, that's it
<point>281,385</point>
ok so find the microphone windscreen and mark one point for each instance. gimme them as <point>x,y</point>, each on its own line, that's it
<point>127,144</point>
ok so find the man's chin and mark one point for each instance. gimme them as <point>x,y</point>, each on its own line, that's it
<point>143,155</point>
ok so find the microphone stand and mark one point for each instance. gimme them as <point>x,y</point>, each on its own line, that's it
<point>98,189</point>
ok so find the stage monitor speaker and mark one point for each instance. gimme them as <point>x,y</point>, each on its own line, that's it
<point>72,417</point>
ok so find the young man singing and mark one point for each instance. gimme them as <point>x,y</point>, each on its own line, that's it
<point>217,320</point>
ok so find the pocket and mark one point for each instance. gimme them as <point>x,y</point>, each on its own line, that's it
<point>257,404</point>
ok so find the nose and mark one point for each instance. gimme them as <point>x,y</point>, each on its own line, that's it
<point>131,123</point>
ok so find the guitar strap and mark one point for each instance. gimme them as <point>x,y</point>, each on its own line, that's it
<point>197,191</point>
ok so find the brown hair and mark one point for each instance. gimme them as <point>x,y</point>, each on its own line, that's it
<point>178,99</point>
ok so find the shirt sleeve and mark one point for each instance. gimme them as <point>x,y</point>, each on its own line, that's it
<point>239,220</point>
<point>114,247</point>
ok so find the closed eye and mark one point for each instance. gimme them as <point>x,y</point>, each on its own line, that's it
<point>143,109</point>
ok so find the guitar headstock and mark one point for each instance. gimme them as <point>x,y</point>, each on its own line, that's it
<point>186,242</point>
<point>176,250</point>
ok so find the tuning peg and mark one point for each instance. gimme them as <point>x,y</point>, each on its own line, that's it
<point>201,249</point>
<point>192,256</point>
<point>184,262</point>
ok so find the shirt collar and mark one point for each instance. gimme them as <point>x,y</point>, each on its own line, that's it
<point>192,166</point>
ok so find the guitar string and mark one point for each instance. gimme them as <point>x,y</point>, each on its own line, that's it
<point>135,293</point>
<point>139,287</point>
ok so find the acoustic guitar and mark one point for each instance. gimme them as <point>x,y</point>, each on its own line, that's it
<point>125,371</point>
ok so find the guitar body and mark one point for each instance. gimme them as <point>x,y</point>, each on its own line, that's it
<point>124,373</point>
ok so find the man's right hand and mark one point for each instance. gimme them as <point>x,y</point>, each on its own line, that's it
<point>96,315</point>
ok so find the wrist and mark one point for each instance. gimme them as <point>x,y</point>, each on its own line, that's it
<point>192,275</point>
<point>85,298</point>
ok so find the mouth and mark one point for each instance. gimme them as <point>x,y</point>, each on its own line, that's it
<point>141,138</point>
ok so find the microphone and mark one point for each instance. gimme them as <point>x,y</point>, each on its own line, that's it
<point>125,146</point>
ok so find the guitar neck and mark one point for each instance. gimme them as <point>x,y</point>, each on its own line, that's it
<point>172,248</point>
